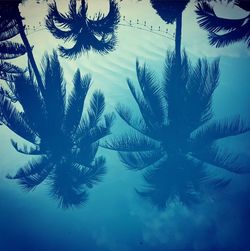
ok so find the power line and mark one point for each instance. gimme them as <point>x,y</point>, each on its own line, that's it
<point>140,25</point>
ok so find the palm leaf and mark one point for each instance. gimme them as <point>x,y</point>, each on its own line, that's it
<point>108,23</point>
<point>152,92</point>
<point>202,83</point>
<point>8,32</point>
<point>235,163</point>
<point>96,108</point>
<point>6,25</point>
<point>66,186</point>
<point>95,173</point>
<point>54,15</point>
<point>86,153</point>
<point>136,123</point>
<point>221,40</point>
<point>9,71</point>
<point>144,108</point>
<point>8,94</point>
<point>96,133</point>
<point>31,100</point>
<point>84,41</point>
<point>14,120</point>
<point>210,22</point>
<point>76,101</point>
<point>32,150</point>
<point>140,160</point>
<point>66,35</point>
<point>10,68</point>
<point>10,50</point>
<point>132,142</point>
<point>54,95</point>
<point>33,174</point>
<point>218,130</point>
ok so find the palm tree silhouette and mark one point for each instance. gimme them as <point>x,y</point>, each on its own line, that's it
<point>224,31</point>
<point>11,14</point>
<point>171,11</point>
<point>96,34</point>
<point>8,49</point>
<point>174,136</point>
<point>64,140</point>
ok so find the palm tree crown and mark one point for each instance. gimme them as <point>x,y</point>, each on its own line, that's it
<point>169,10</point>
<point>65,141</point>
<point>223,31</point>
<point>86,33</point>
<point>174,137</point>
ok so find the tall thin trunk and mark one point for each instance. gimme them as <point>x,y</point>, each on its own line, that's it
<point>29,51</point>
<point>178,39</point>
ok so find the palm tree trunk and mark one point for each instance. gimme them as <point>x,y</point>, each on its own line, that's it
<point>178,39</point>
<point>29,51</point>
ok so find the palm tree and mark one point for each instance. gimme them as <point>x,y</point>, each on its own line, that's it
<point>174,137</point>
<point>171,11</point>
<point>64,141</point>
<point>86,33</point>
<point>8,49</point>
<point>10,12</point>
<point>224,31</point>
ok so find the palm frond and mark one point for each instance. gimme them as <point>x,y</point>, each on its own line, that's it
<point>9,71</point>
<point>106,24</point>
<point>136,123</point>
<point>54,15</point>
<point>95,173</point>
<point>208,20</point>
<point>58,33</point>
<point>140,160</point>
<point>96,108</point>
<point>24,149</point>
<point>221,40</point>
<point>202,83</point>
<point>14,120</point>
<point>218,130</point>
<point>108,120</point>
<point>76,101</point>
<point>94,134</point>
<point>85,41</point>
<point>152,92</point>
<point>72,8</point>
<point>235,163</point>
<point>7,25</point>
<point>131,142</point>
<point>29,96</point>
<point>86,153</point>
<point>9,31</point>
<point>169,71</point>
<point>33,174</point>
<point>10,50</point>
<point>10,68</point>
<point>66,186</point>
<point>144,108</point>
<point>163,185</point>
<point>54,94</point>
<point>175,80</point>
<point>33,167</point>
<point>8,94</point>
